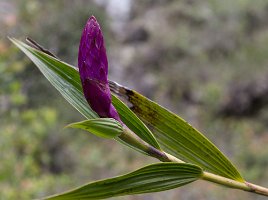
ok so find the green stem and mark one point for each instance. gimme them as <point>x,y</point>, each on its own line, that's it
<point>246,186</point>
<point>129,137</point>
<point>225,181</point>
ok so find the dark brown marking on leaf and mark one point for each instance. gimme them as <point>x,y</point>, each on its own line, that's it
<point>129,92</point>
<point>141,108</point>
<point>37,46</point>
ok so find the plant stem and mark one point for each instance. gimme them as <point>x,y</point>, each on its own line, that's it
<point>129,137</point>
<point>257,189</point>
<point>249,187</point>
<point>246,186</point>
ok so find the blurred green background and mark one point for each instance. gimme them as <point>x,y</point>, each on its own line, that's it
<point>205,60</point>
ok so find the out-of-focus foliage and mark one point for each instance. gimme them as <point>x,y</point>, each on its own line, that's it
<point>36,157</point>
<point>205,60</point>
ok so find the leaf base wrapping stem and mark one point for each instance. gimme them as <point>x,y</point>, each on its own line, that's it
<point>257,189</point>
<point>129,137</point>
<point>246,186</point>
<point>249,187</point>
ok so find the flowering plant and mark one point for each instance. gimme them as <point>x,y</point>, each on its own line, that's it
<point>186,154</point>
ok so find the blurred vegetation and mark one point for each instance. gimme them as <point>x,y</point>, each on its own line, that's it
<point>205,60</point>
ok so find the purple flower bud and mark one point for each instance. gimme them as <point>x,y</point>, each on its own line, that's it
<point>93,69</point>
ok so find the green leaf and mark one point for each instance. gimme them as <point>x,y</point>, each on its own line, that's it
<point>153,178</point>
<point>62,76</point>
<point>102,127</point>
<point>65,78</point>
<point>177,136</point>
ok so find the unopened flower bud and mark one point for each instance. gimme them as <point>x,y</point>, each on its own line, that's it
<point>93,70</point>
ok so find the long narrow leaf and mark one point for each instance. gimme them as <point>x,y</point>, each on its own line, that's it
<point>152,178</point>
<point>62,76</point>
<point>66,80</point>
<point>177,136</point>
